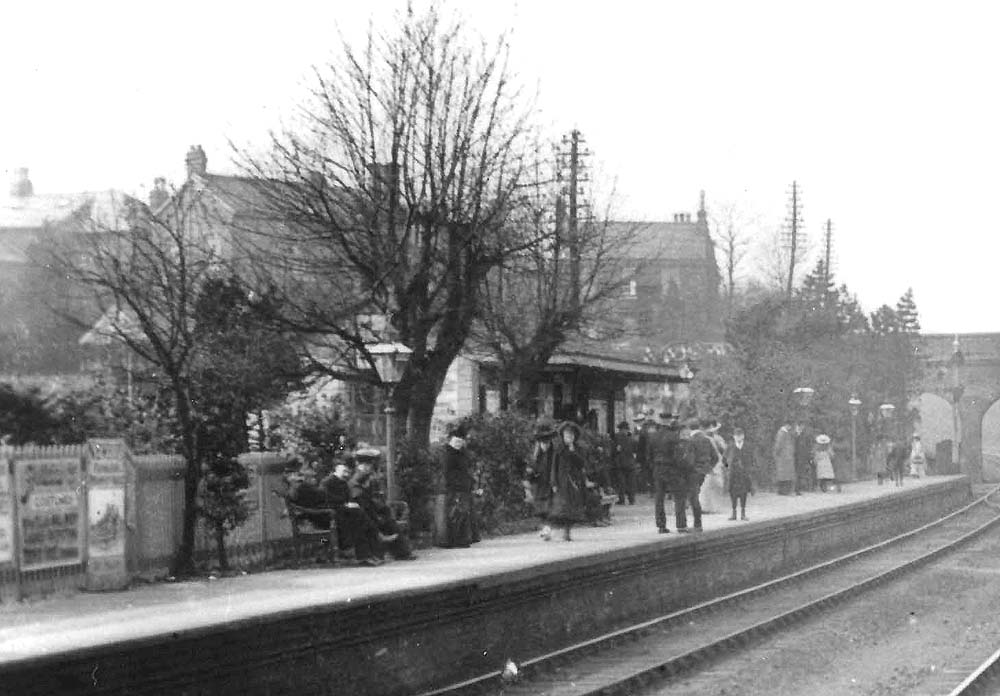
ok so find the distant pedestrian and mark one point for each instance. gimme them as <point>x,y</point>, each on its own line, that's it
<point>624,464</point>
<point>918,460</point>
<point>784,459</point>
<point>645,426</point>
<point>740,463</point>
<point>569,483</point>
<point>459,483</point>
<point>706,457</point>
<point>713,493</point>
<point>898,461</point>
<point>823,456</point>
<point>670,473</point>
<point>690,450</point>
<point>539,474</point>
<point>805,466</point>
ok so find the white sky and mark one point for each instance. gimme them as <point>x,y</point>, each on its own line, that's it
<point>887,114</point>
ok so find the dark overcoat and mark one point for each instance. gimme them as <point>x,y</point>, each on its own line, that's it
<point>541,480</point>
<point>740,462</point>
<point>570,487</point>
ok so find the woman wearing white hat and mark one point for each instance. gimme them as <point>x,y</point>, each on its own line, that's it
<point>823,456</point>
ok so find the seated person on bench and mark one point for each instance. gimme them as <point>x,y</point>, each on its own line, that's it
<point>354,527</point>
<point>365,492</point>
<point>304,491</point>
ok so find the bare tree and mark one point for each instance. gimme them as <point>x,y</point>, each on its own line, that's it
<point>393,197</point>
<point>143,274</point>
<point>566,285</point>
<point>730,233</point>
<point>155,279</point>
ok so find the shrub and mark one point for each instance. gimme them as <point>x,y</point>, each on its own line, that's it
<point>498,446</point>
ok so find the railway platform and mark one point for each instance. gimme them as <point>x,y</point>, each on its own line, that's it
<point>404,627</point>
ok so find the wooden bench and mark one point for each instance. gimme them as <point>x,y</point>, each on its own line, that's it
<point>304,529</point>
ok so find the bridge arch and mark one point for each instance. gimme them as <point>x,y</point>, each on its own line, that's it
<point>936,421</point>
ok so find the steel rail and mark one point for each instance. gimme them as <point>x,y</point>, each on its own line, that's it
<point>687,660</point>
<point>984,677</point>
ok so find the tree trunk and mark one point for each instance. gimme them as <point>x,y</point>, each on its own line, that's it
<point>526,399</point>
<point>220,545</point>
<point>184,561</point>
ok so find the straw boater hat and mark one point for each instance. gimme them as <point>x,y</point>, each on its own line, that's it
<point>640,418</point>
<point>822,439</point>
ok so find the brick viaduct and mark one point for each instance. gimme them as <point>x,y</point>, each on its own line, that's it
<point>965,371</point>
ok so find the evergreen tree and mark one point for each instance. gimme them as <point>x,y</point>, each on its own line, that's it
<point>818,291</point>
<point>906,313</point>
<point>885,321</point>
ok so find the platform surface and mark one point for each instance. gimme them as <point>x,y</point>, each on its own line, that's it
<point>44,626</point>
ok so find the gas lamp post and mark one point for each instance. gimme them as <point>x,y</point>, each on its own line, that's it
<point>390,362</point>
<point>854,403</point>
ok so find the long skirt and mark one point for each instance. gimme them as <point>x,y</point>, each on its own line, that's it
<point>713,491</point>
<point>459,519</point>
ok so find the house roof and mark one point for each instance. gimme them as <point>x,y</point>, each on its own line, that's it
<point>21,217</point>
<point>671,240</point>
<point>244,196</point>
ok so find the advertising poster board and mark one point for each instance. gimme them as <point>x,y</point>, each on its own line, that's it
<point>106,516</point>
<point>6,513</point>
<point>50,520</point>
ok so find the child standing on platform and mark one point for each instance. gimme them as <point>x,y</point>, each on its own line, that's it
<point>739,462</point>
<point>823,456</point>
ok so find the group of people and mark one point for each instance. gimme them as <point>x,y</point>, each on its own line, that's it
<point>684,456</point>
<point>804,460</point>
<point>349,494</point>
<point>561,489</point>
<point>678,456</point>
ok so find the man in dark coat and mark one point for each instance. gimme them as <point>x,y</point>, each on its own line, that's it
<point>703,458</point>
<point>355,528</point>
<point>805,474</point>
<point>740,463</point>
<point>645,427</point>
<point>624,464</point>
<point>364,491</point>
<point>669,473</point>
<point>459,484</point>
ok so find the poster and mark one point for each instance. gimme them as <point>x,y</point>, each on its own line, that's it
<point>108,479</point>
<point>49,512</point>
<point>6,514</point>
<point>106,523</point>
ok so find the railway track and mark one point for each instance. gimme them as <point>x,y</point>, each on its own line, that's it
<point>631,659</point>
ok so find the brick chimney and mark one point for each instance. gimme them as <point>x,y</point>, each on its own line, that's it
<point>20,185</point>
<point>196,162</point>
<point>159,195</point>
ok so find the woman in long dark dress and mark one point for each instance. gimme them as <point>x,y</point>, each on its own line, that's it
<point>569,483</point>
<point>459,483</point>
<point>539,476</point>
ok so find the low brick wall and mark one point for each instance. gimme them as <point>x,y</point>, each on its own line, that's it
<point>409,641</point>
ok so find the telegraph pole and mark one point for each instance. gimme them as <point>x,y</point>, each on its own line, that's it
<point>793,238</point>
<point>827,273</point>
<point>576,173</point>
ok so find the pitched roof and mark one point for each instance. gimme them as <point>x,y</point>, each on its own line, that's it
<point>671,240</point>
<point>244,195</point>
<point>22,217</point>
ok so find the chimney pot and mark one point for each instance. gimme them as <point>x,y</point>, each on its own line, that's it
<point>196,161</point>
